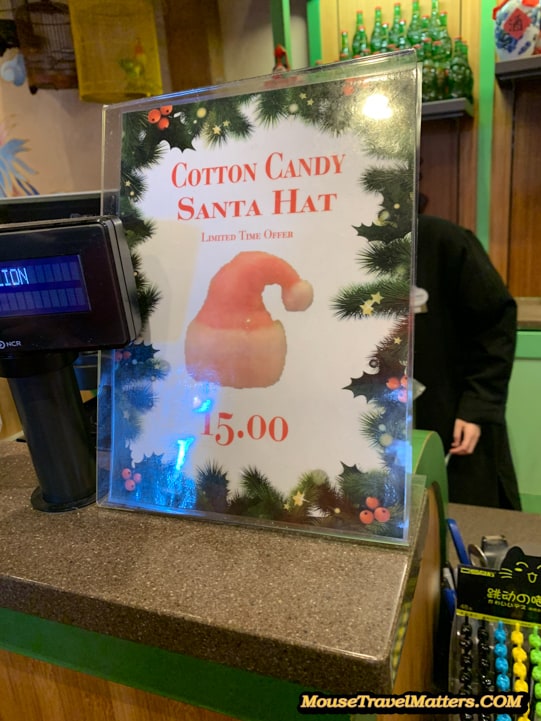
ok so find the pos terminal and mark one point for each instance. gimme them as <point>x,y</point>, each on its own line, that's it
<point>66,286</point>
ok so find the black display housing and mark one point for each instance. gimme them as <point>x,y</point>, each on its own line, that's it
<point>99,243</point>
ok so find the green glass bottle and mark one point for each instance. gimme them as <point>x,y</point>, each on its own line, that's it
<point>469,74</point>
<point>444,36</point>
<point>425,27</point>
<point>376,37</point>
<point>359,44</point>
<point>429,73</point>
<point>394,30</point>
<point>419,50</point>
<point>441,71</point>
<point>344,50</point>
<point>403,36</point>
<point>384,38</point>
<point>434,23</point>
<point>460,73</point>
<point>414,29</point>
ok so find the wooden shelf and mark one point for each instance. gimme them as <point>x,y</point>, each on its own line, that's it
<point>509,70</point>
<point>529,313</point>
<point>452,108</point>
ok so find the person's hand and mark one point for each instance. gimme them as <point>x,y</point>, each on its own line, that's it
<point>465,437</point>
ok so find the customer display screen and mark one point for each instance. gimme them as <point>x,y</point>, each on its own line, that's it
<point>66,284</point>
<point>40,286</point>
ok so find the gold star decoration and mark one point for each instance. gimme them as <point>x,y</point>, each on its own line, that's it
<point>216,130</point>
<point>310,102</point>
<point>302,96</point>
<point>367,308</point>
<point>298,498</point>
<point>377,297</point>
<point>397,340</point>
<point>226,123</point>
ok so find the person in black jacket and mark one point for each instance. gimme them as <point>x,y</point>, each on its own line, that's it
<point>465,337</point>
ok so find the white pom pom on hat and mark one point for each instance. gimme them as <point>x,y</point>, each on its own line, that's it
<point>298,296</point>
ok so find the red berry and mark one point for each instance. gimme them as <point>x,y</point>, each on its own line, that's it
<point>372,502</point>
<point>154,116</point>
<point>129,485</point>
<point>126,473</point>
<point>366,517</point>
<point>163,124</point>
<point>166,109</point>
<point>382,514</point>
<point>393,383</point>
<point>137,477</point>
<point>404,381</point>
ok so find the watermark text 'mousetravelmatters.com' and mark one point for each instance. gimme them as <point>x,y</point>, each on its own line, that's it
<point>314,703</point>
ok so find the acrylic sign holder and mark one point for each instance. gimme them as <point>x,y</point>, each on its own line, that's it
<point>271,220</point>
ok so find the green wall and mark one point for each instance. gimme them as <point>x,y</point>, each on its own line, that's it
<point>523,413</point>
<point>524,418</point>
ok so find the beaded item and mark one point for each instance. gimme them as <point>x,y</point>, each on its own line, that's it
<point>466,664</point>
<point>501,662</point>
<point>520,669</point>
<point>534,640</point>
<point>501,665</point>
<point>483,664</point>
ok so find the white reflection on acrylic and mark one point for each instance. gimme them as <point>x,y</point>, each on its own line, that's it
<point>377,107</point>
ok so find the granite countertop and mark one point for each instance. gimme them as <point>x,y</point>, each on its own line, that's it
<point>316,611</point>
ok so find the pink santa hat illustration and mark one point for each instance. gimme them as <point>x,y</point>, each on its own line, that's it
<point>233,340</point>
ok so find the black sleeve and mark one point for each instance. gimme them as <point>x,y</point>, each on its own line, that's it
<point>487,318</point>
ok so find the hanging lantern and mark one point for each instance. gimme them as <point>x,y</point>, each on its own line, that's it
<point>43,29</point>
<point>116,49</point>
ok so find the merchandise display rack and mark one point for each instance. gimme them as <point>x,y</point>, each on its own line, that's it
<point>451,108</point>
<point>517,69</point>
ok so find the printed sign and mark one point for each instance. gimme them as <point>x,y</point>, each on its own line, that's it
<point>270,222</point>
<point>512,592</point>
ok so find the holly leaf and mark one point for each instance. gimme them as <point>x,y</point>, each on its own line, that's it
<point>367,385</point>
<point>382,233</point>
<point>176,135</point>
<point>151,465</point>
<point>373,385</point>
<point>357,485</point>
<point>142,352</point>
<point>351,473</point>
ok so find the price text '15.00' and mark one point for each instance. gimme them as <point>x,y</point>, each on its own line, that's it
<point>256,428</point>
